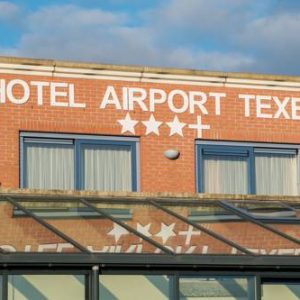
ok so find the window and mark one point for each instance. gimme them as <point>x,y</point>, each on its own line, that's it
<point>79,162</point>
<point>220,287</point>
<point>277,290</point>
<point>230,168</point>
<point>128,287</point>
<point>34,287</point>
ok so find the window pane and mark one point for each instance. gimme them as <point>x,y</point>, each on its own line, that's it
<point>221,288</point>
<point>107,168</point>
<point>21,233</point>
<point>167,230</point>
<point>276,174</point>
<point>279,291</point>
<point>225,174</point>
<point>46,287</point>
<point>88,227</point>
<point>50,166</point>
<point>230,226</point>
<point>129,287</point>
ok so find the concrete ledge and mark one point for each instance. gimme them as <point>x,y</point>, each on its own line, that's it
<point>57,194</point>
<point>145,69</point>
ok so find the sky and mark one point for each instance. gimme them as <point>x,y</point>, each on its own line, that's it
<point>260,36</point>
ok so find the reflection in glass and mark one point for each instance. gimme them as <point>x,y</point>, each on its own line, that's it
<point>247,234</point>
<point>266,210</point>
<point>274,291</point>
<point>210,212</point>
<point>46,287</point>
<point>21,233</point>
<point>276,214</point>
<point>168,230</point>
<point>90,228</point>
<point>296,206</point>
<point>129,287</point>
<point>220,288</point>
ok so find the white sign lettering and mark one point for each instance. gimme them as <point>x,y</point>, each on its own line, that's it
<point>19,92</point>
<point>196,103</point>
<point>271,107</point>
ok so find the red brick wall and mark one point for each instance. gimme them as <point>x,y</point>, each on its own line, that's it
<point>158,174</point>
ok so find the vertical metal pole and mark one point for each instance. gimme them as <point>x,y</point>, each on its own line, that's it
<point>95,282</point>
<point>258,287</point>
<point>175,287</point>
<point>4,287</point>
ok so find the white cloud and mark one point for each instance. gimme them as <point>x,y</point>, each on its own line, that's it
<point>202,17</point>
<point>8,11</point>
<point>210,60</point>
<point>71,16</point>
<point>174,34</point>
<point>275,40</point>
<point>70,32</point>
<point>273,32</point>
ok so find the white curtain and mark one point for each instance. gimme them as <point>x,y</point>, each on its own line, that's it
<point>276,174</point>
<point>107,168</point>
<point>50,167</point>
<point>225,174</point>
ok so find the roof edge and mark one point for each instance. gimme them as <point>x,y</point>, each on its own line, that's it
<point>144,69</point>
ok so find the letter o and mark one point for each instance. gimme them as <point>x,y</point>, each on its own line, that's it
<point>185,99</point>
<point>10,95</point>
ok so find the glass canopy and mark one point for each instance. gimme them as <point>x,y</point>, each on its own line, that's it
<point>148,226</point>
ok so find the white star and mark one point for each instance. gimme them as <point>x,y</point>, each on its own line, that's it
<point>118,231</point>
<point>128,124</point>
<point>166,231</point>
<point>144,229</point>
<point>176,126</point>
<point>152,125</point>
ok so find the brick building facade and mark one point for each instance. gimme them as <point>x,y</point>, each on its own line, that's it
<point>37,96</point>
<point>100,131</point>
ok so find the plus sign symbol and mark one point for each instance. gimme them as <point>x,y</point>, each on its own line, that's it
<point>189,233</point>
<point>199,126</point>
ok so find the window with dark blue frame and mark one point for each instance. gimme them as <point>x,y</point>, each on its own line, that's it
<point>79,163</point>
<point>248,169</point>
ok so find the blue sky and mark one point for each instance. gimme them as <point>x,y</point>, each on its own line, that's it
<point>259,36</point>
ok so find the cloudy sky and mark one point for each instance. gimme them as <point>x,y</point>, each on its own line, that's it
<point>224,35</point>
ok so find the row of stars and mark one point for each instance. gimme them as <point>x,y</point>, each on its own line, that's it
<point>152,125</point>
<point>166,232</point>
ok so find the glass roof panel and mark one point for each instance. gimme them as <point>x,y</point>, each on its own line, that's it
<point>247,234</point>
<point>21,233</point>
<point>280,216</point>
<point>166,229</point>
<point>295,206</point>
<point>141,226</point>
<point>292,230</point>
<point>89,228</point>
<point>267,211</point>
